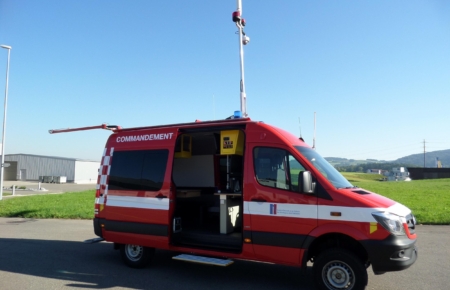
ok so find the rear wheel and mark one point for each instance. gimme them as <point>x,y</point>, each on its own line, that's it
<point>339,269</point>
<point>136,256</point>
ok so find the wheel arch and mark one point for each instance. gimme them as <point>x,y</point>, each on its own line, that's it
<point>316,245</point>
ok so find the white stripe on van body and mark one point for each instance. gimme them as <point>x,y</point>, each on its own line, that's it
<point>322,212</point>
<point>282,209</point>
<point>138,202</point>
<point>350,214</point>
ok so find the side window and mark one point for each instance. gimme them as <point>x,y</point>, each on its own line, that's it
<point>138,170</point>
<point>276,168</point>
<point>296,170</point>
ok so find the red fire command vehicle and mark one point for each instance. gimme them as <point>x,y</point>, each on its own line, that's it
<point>241,189</point>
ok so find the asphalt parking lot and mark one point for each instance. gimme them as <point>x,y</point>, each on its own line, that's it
<point>50,254</point>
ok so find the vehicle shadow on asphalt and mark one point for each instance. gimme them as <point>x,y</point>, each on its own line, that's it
<point>98,266</point>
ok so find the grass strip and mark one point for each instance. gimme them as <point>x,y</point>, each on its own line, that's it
<point>71,205</point>
<point>429,199</point>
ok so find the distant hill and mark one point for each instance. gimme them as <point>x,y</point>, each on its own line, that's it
<point>430,159</point>
<point>414,160</point>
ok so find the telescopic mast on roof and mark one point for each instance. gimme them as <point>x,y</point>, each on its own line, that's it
<point>102,126</point>
<point>243,40</point>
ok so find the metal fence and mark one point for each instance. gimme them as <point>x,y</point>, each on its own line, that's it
<point>428,173</point>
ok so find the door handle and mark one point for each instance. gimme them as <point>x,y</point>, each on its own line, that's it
<point>259,199</point>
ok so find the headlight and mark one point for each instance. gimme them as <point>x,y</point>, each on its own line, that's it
<point>391,222</point>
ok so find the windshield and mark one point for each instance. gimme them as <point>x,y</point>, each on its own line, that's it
<point>325,168</point>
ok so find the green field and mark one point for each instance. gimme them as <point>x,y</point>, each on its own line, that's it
<point>428,199</point>
<point>72,205</point>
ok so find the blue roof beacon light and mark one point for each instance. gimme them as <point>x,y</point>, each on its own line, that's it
<point>237,115</point>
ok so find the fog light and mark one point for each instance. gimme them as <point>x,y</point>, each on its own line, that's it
<point>401,254</point>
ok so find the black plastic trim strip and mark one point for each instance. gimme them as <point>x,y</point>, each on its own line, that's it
<point>97,227</point>
<point>276,239</point>
<point>322,192</point>
<point>135,228</point>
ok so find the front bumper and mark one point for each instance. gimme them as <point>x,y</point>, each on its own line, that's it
<point>391,254</point>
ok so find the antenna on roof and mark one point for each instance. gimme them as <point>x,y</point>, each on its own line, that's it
<point>314,139</point>
<point>300,128</point>
<point>243,40</point>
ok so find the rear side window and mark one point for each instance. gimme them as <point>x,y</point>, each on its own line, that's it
<point>138,170</point>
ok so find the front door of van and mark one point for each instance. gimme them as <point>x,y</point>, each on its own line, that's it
<point>281,216</point>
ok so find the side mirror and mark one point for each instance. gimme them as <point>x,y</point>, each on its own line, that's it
<point>306,184</point>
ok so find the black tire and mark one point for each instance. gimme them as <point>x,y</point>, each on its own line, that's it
<point>136,256</point>
<point>339,269</point>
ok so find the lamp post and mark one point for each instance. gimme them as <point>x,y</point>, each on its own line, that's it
<point>4,121</point>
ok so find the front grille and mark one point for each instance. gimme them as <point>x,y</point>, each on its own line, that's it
<point>411,222</point>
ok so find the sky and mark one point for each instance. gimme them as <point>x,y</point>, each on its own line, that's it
<point>376,73</point>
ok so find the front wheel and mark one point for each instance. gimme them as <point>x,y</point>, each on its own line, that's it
<point>339,269</point>
<point>136,256</point>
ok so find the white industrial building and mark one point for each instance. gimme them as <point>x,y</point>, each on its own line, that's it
<point>35,167</point>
